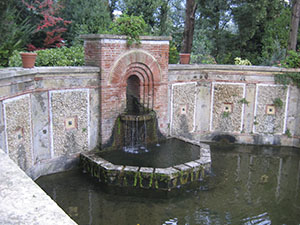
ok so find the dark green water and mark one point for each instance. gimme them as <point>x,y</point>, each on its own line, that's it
<point>251,185</point>
<point>168,153</point>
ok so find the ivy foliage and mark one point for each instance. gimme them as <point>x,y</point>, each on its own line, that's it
<point>288,78</point>
<point>73,56</point>
<point>291,61</point>
<point>131,26</point>
<point>278,103</point>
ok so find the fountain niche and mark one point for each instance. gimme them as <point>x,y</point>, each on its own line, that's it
<point>137,155</point>
<point>138,122</point>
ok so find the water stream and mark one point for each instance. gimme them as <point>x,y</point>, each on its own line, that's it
<point>250,185</point>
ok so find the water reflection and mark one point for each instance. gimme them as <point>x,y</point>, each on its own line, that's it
<point>262,219</point>
<point>251,186</point>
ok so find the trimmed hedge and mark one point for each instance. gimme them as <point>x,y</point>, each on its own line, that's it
<point>73,56</point>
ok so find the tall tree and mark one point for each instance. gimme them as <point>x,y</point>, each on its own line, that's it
<point>163,16</point>
<point>294,25</point>
<point>214,17</point>
<point>189,26</point>
<point>91,16</point>
<point>147,8</point>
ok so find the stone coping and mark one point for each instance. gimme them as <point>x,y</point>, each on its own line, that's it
<point>11,72</point>
<point>187,67</point>
<point>144,117</point>
<point>22,201</point>
<point>123,37</point>
<point>19,71</point>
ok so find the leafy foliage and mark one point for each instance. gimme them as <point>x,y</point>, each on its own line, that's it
<point>73,56</point>
<point>203,59</point>
<point>252,29</point>
<point>224,29</point>
<point>132,26</point>
<point>275,37</point>
<point>244,101</point>
<point>288,78</point>
<point>14,34</point>
<point>292,60</point>
<point>173,54</point>
<point>240,61</point>
<point>50,24</point>
<point>88,17</point>
<point>278,103</point>
<point>288,133</point>
<point>225,114</point>
<point>147,9</point>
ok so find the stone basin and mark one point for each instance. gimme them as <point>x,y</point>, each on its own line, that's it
<point>143,117</point>
<point>147,178</point>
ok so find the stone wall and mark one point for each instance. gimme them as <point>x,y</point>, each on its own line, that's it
<point>48,116</point>
<point>233,103</point>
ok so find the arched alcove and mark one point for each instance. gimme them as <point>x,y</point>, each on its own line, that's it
<point>133,104</point>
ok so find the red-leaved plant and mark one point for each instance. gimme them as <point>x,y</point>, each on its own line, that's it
<point>53,25</point>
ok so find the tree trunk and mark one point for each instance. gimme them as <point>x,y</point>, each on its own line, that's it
<point>294,25</point>
<point>189,26</point>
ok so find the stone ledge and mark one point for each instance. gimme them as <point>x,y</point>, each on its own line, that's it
<point>19,71</point>
<point>123,37</point>
<point>54,165</point>
<point>180,67</point>
<point>23,201</point>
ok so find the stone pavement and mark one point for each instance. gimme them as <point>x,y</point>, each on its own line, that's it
<point>22,201</point>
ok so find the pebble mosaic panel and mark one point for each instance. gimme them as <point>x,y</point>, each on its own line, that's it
<point>18,130</point>
<point>227,107</point>
<point>269,115</point>
<point>69,117</point>
<point>183,114</point>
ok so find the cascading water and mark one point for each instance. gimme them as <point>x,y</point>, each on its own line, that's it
<point>135,134</point>
<point>136,120</point>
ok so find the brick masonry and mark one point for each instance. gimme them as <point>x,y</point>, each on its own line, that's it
<point>118,61</point>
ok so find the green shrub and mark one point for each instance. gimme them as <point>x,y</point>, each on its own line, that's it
<point>73,56</point>
<point>132,26</point>
<point>202,59</point>
<point>173,54</point>
<point>292,60</point>
<point>239,61</point>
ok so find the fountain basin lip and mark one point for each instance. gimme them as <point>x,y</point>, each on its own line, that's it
<point>140,117</point>
<point>164,179</point>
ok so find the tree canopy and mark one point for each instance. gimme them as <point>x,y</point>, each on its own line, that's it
<point>257,30</point>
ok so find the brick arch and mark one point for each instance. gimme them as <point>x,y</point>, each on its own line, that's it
<point>134,58</point>
<point>145,76</point>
